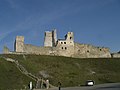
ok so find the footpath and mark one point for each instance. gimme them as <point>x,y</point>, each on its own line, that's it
<point>28,74</point>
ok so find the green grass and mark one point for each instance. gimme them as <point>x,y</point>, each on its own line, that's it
<point>10,77</point>
<point>68,71</point>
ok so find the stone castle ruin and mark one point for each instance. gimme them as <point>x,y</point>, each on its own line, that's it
<point>60,47</point>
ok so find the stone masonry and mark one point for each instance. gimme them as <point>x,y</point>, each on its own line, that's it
<point>61,47</point>
<point>19,44</point>
<point>50,38</point>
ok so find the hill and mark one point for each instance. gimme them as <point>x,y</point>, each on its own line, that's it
<point>11,78</point>
<point>68,71</point>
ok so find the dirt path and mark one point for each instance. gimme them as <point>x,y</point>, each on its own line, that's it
<point>25,72</point>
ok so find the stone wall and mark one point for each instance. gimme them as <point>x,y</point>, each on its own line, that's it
<point>61,47</point>
<point>89,51</point>
<point>65,47</point>
<point>31,49</point>
<point>115,55</point>
<point>77,51</point>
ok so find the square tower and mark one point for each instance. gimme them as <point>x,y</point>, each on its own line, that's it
<point>19,44</point>
<point>50,38</point>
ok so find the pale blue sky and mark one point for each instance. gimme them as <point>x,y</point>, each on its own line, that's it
<point>95,22</point>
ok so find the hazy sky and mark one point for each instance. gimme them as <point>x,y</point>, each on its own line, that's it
<point>95,22</point>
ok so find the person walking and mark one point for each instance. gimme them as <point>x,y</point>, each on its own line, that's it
<point>59,85</point>
<point>47,84</point>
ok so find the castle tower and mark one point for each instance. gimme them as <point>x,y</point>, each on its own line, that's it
<point>50,38</point>
<point>19,44</point>
<point>69,37</point>
<point>54,37</point>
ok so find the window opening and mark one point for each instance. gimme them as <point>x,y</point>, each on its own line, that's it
<point>65,48</point>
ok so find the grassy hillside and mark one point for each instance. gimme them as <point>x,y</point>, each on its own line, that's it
<point>11,78</point>
<point>68,71</point>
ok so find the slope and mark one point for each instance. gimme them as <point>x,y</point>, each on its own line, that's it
<point>68,71</point>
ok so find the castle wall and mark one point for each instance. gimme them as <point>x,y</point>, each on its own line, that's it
<point>61,47</point>
<point>77,51</point>
<point>89,51</point>
<point>31,49</point>
<point>58,51</point>
<point>64,49</point>
<point>115,55</point>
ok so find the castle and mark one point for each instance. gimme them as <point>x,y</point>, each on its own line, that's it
<point>60,47</point>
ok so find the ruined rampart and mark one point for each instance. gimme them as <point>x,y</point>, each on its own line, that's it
<point>60,47</point>
<point>115,55</point>
<point>79,51</point>
<point>90,51</point>
<point>31,49</point>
